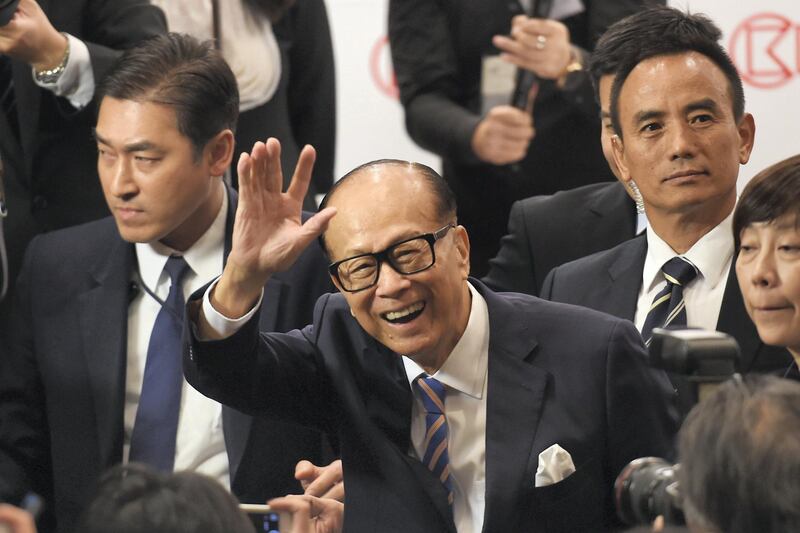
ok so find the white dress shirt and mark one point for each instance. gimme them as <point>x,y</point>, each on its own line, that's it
<point>200,445</point>
<point>712,255</point>
<point>465,375</point>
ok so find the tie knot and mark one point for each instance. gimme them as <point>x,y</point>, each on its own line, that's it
<point>432,393</point>
<point>176,268</point>
<point>679,271</point>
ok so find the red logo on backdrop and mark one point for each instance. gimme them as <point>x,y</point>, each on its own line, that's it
<point>766,50</point>
<point>380,67</point>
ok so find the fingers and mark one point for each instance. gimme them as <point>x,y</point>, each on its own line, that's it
<point>321,481</point>
<point>19,520</point>
<point>539,45</point>
<point>302,173</point>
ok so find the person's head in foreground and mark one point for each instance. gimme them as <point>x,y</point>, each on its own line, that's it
<point>740,458</point>
<point>766,227</point>
<point>677,107</point>
<point>402,264</point>
<point>164,132</point>
<point>137,499</point>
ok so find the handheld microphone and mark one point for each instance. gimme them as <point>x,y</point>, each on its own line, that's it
<point>525,78</point>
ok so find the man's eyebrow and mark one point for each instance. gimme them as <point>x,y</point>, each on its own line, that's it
<point>139,146</point>
<point>643,116</point>
<point>706,104</point>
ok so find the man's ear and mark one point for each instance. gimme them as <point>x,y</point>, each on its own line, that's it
<point>462,247</point>
<point>219,152</point>
<point>747,135</point>
<point>618,153</point>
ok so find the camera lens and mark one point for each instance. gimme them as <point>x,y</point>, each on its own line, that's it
<point>647,488</point>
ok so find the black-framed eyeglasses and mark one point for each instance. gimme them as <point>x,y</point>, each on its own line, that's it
<point>405,257</point>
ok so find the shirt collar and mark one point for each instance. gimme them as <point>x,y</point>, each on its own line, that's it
<point>465,368</point>
<point>711,255</point>
<point>202,257</point>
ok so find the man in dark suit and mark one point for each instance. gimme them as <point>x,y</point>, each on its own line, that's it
<point>497,416</point>
<point>47,82</point>
<point>95,302</point>
<point>678,109</point>
<point>491,158</point>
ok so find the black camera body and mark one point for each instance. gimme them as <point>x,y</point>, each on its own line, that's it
<point>648,487</point>
<point>7,9</point>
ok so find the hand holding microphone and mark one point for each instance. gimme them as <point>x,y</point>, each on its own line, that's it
<point>541,46</point>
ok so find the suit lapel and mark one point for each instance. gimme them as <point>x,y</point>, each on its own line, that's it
<point>516,392</point>
<point>619,292</point>
<point>103,312</point>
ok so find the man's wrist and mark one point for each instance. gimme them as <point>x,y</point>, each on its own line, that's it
<point>574,65</point>
<point>52,65</point>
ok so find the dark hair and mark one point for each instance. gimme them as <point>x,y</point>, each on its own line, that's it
<point>442,193</point>
<point>772,193</point>
<point>134,498</point>
<point>178,71</point>
<point>740,456</point>
<point>659,31</point>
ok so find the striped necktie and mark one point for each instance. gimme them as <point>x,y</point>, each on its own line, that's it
<point>436,458</point>
<point>668,307</point>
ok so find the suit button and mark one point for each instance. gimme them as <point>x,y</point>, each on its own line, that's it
<point>39,202</point>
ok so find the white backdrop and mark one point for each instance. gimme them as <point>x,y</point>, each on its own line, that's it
<point>763,36</point>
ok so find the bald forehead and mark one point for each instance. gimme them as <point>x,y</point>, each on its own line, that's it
<point>381,181</point>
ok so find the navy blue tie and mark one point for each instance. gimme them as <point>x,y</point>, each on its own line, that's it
<point>156,425</point>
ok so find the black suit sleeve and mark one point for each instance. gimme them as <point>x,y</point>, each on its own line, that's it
<point>24,454</point>
<point>513,268</point>
<point>427,73</point>
<point>277,375</point>
<point>547,287</point>
<point>312,87</point>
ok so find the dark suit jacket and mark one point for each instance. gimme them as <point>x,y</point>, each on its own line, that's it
<point>51,169</point>
<point>303,109</point>
<point>609,281</point>
<point>591,393</point>
<point>437,47</point>
<point>62,385</point>
<point>547,231</point>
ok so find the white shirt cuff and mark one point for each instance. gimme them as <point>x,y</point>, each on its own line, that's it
<point>221,325</point>
<point>76,84</point>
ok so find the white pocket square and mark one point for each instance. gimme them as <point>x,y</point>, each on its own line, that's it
<point>555,464</point>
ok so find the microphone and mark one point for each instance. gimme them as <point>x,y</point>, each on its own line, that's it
<point>525,78</point>
<point>133,291</point>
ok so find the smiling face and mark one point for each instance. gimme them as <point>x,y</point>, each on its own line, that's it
<point>420,315</point>
<point>156,187</point>
<point>680,141</point>
<point>768,268</point>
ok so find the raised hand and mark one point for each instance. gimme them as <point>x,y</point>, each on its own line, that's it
<point>268,233</point>
<point>539,45</point>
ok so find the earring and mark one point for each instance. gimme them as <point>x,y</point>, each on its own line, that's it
<point>637,197</point>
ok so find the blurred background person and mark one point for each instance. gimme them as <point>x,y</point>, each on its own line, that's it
<point>766,229</point>
<point>740,458</point>
<point>53,55</point>
<point>445,57</point>
<point>281,54</point>
<point>547,231</point>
